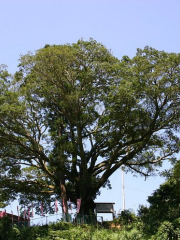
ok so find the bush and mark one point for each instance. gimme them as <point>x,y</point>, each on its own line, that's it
<point>167,231</point>
<point>5,228</point>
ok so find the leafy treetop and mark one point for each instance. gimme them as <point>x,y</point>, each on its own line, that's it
<point>74,114</point>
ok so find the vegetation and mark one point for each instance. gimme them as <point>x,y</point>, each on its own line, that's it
<point>73,114</point>
<point>127,226</point>
<point>163,213</point>
<point>128,230</point>
<point>63,230</point>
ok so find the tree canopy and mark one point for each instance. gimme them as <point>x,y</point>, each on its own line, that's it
<point>73,114</point>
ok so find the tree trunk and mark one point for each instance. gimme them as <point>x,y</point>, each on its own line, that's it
<point>63,197</point>
<point>87,206</point>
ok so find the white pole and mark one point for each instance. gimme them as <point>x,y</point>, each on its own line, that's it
<point>123,196</point>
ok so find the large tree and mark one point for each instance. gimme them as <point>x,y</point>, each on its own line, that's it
<point>74,114</point>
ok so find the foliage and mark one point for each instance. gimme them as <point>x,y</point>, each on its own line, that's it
<point>167,231</point>
<point>70,232</point>
<point>126,219</point>
<point>73,114</point>
<point>163,213</point>
<point>5,227</point>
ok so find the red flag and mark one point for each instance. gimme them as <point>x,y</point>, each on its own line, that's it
<point>78,205</point>
<point>64,206</point>
<point>56,206</point>
<point>18,212</point>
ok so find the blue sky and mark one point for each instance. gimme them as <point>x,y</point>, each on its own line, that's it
<point>121,25</point>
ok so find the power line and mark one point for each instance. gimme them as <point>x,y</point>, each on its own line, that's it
<point>138,190</point>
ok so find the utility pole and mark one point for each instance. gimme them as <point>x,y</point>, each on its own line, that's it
<point>123,196</point>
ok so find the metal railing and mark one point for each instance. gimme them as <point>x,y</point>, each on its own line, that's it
<point>50,219</point>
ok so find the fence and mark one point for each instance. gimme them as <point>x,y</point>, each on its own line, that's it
<point>72,218</point>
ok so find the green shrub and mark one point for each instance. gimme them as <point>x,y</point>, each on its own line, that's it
<point>166,232</point>
<point>60,226</point>
<point>68,231</point>
<point>5,228</point>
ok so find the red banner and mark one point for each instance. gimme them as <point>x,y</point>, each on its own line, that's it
<point>78,205</point>
<point>64,206</point>
<point>56,206</point>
